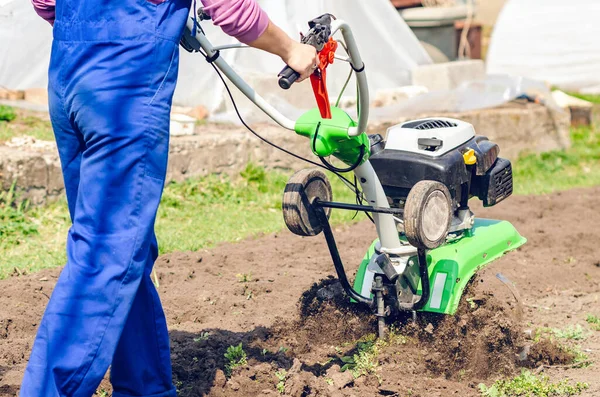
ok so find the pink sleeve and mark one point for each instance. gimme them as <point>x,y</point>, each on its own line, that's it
<point>242,19</point>
<point>45,9</point>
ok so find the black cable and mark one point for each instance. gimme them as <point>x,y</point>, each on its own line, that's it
<point>349,169</point>
<point>333,169</point>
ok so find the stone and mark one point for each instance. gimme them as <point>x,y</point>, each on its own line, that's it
<point>227,149</point>
<point>448,75</point>
<point>36,95</point>
<point>198,112</point>
<point>340,379</point>
<point>220,379</point>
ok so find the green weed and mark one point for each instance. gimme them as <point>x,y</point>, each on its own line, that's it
<point>203,336</point>
<point>236,356</point>
<point>530,385</point>
<point>594,322</point>
<point>571,332</point>
<point>364,361</point>
<point>281,376</point>
<point>244,277</point>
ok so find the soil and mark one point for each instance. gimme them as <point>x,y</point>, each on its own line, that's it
<point>269,293</point>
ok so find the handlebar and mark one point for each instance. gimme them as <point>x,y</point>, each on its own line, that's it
<point>199,42</point>
<point>287,77</point>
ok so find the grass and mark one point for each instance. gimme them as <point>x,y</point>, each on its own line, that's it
<point>18,123</point>
<point>528,384</point>
<point>594,98</point>
<point>202,212</point>
<point>194,214</point>
<point>578,166</point>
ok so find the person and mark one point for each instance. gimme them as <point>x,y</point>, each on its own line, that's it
<point>112,74</point>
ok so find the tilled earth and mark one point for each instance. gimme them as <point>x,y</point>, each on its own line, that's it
<point>264,293</point>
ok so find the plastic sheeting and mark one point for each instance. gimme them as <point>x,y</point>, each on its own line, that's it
<point>25,42</point>
<point>388,47</point>
<point>555,41</point>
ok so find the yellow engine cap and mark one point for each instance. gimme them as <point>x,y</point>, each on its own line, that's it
<point>469,157</point>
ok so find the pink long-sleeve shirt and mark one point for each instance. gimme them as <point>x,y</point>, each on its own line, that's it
<point>242,19</point>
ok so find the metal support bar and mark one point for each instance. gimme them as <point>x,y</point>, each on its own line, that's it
<point>425,287</point>
<point>356,207</point>
<point>337,260</point>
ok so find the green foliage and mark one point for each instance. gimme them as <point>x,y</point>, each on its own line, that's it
<point>15,226</point>
<point>571,332</point>
<point>7,113</point>
<point>530,385</point>
<point>236,356</point>
<point>580,360</point>
<point>364,361</point>
<point>203,336</point>
<point>281,376</point>
<point>594,322</point>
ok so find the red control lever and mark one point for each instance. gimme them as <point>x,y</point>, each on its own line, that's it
<point>318,79</point>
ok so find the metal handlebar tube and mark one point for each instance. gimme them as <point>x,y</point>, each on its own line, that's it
<point>385,223</point>
<point>361,77</point>
<point>199,41</point>
<point>337,260</point>
<point>211,53</point>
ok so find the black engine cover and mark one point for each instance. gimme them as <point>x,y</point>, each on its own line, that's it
<point>399,171</point>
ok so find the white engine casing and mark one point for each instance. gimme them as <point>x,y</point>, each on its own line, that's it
<point>451,132</point>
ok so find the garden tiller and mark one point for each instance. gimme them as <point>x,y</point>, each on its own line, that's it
<point>415,185</point>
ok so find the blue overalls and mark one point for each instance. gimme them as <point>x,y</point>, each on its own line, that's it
<point>112,75</point>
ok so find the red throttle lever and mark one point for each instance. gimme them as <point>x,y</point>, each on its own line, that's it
<point>318,79</point>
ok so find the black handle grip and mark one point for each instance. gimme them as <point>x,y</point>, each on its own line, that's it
<point>287,77</point>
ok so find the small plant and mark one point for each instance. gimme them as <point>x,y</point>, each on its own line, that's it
<point>329,381</point>
<point>283,349</point>
<point>281,375</point>
<point>7,113</point>
<point>244,277</point>
<point>530,385</point>
<point>102,393</point>
<point>236,356</point>
<point>364,361</point>
<point>594,322</point>
<point>203,336</point>
<point>471,303</point>
<point>571,332</point>
<point>580,360</point>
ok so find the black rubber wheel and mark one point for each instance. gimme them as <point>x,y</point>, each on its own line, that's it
<point>427,214</point>
<point>300,191</point>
